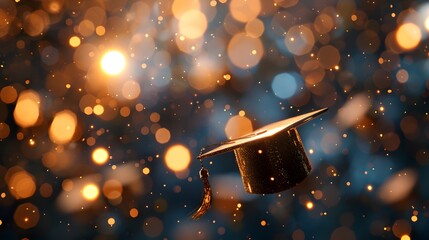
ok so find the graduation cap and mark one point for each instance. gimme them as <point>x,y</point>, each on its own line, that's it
<point>272,158</point>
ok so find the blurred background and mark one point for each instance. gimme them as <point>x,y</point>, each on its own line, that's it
<point>105,105</point>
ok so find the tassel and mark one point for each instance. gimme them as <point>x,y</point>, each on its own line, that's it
<point>207,198</point>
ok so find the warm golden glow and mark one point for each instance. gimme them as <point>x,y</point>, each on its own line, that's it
<point>299,40</point>
<point>178,158</point>
<point>408,36</point>
<point>309,205</point>
<point>27,109</point>
<point>162,135</point>
<point>98,109</point>
<point>405,237</point>
<point>74,41</point>
<point>26,216</point>
<point>134,212</point>
<point>8,94</point>
<point>21,183</point>
<point>427,23</point>
<point>100,155</point>
<point>179,7</point>
<point>113,62</point>
<point>193,24</point>
<point>245,51</point>
<point>245,10</point>
<point>111,221</point>
<point>146,171</point>
<point>112,189</point>
<point>238,126</point>
<point>90,192</point>
<point>63,127</point>
<point>130,90</point>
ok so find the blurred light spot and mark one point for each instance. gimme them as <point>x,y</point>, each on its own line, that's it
<point>369,187</point>
<point>405,237</point>
<point>98,110</point>
<point>328,56</point>
<point>63,127</point>
<point>284,85</point>
<point>111,221</point>
<point>21,183</point>
<point>130,90</point>
<point>100,155</point>
<point>402,76</point>
<point>309,205</point>
<point>162,135</point>
<point>179,7</point>
<point>299,40</point>
<point>177,158</point>
<point>46,190</point>
<point>323,23</point>
<point>26,216</point>
<point>90,192</point>
<point>146,171</point>
<point>153,227</point>
<point>134,212</point>
<point>154,117</point>
<point>4,130</point>
<point>27,110</point>
<point>36,22</point>
<point>245,51</point>
<point>67,185</point>
<point>391,141</point>
<point>192,24</point>
<point>238,126</point>
<point>74,41</point>
<point>113,62</point>
<point>205,75</point>
<point>112,189</point>
<point>408,36</point>
<point>398,186</point>
<point>263,223</point>
<point>245,10</point>
<point>401,227</point>
<point>100,30</point>
<point>86,28</point>
<point>353,111</point>
<point>8,94</point>
<point>125,111</point>
<point>427,23</point>
<point>255,28</point>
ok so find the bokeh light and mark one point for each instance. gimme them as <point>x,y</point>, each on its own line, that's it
<point>177,158</point>
<point>26,216</point>
<point>27,109</point>
<point>113,62</point>
<point>21,183</point>
<point>408,36</point>
<point>245,10</point>
<point>284,85</point>
<point>105,106</point>
<point>245,51</point>
<point>90,192</point>
<point>238,126</point>
<point>192,24</point>
<point>299,40</point>
<point>63,127</point>
<point>100,155</point>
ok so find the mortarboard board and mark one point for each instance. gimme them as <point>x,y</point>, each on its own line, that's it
<point>272,158</point>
